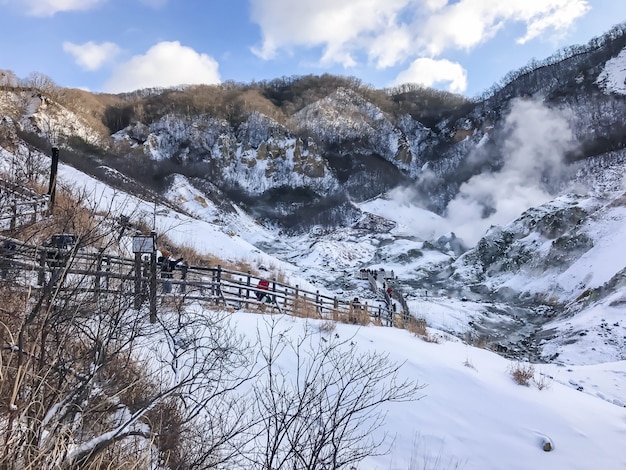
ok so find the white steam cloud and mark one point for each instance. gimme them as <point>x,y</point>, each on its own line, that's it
<point>537,139</point>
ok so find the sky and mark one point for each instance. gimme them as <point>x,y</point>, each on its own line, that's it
<point>463,46</point>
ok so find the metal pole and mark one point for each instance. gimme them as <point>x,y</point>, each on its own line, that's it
<point>153,280</point>
<point>53,177</point>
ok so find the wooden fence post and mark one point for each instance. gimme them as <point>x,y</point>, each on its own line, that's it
<point>219,283</point>
<point>97,278</point>
<point>41,275</point>
<point>318,307</point>
<point>53,178</point>
<point>153,287</point>
<point>13,222</point>
<point>183,278</point>
<point>248,281</point>
<point>213,281</point>
<point>138,290</point>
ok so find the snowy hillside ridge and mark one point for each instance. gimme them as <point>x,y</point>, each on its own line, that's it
<point>612,79</point>
<point>346,116</point>
<point>42,115</point>
<point>551,244</point>
<point>256,157</point>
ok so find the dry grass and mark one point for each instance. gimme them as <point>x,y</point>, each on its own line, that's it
<point>542,381</point>
<point>69,216</point>
<point>304,308</point>
<point>354,316</point>
<point>522,373</point>
<point>327,326</point>
<point>481,342</point>
<point>417,326</point>
<point>468,363</point>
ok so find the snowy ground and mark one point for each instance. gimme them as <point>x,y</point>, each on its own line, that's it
<point>474,416</point>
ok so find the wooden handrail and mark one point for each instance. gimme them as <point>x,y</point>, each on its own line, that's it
<point>199,282</point>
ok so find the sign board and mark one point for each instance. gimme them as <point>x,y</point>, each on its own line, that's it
<point>143,244</point>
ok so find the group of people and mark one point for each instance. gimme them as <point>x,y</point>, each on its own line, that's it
<point>376,274</point>
<point>372,272</point>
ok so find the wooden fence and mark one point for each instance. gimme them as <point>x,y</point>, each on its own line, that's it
<point>20,205</point>
<point>97,273</point>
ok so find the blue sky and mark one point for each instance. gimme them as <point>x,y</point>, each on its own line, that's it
<point>462,46</point>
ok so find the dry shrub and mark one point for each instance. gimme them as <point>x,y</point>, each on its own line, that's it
<point>359,316</point>
<point>190,255</point>
<point>279,275</point>
<point>304,308</point>
<point>327,326</point>
<point>354,316</point>
<point>468,363</point>
<point>337,315</point>
<point>12,312</point>
<point>166,423</point>
<point>260,307</point>
<point>127,380</point>
<point>481,342</point>
<point>417,326</point>
<point>522,373</point>
<point>12,308</point>
<point>542,381</point>
<point>69,216</point>
<point>128,454</point>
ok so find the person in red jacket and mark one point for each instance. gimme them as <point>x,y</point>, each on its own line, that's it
<point>265,285</point>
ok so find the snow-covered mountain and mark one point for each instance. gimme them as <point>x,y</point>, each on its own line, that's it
<point>512,202</point>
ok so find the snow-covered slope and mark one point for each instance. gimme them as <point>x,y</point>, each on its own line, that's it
<point>613,78</point>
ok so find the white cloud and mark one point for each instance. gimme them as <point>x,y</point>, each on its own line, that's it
<point>51,7</point>
<point>92,56</point>
<point>428,72</point>
<point>340,27</point>
<point>390,32</point>
<point>467,23</point>
<point>560,21</point>
<point>166,64</point>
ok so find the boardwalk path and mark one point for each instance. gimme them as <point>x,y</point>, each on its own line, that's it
<point>88,271</point>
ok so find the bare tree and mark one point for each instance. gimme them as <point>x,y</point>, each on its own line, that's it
<point>327,413</point>
<point>42,82</point>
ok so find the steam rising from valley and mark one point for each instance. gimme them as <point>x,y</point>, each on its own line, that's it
<point>536,140</point>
